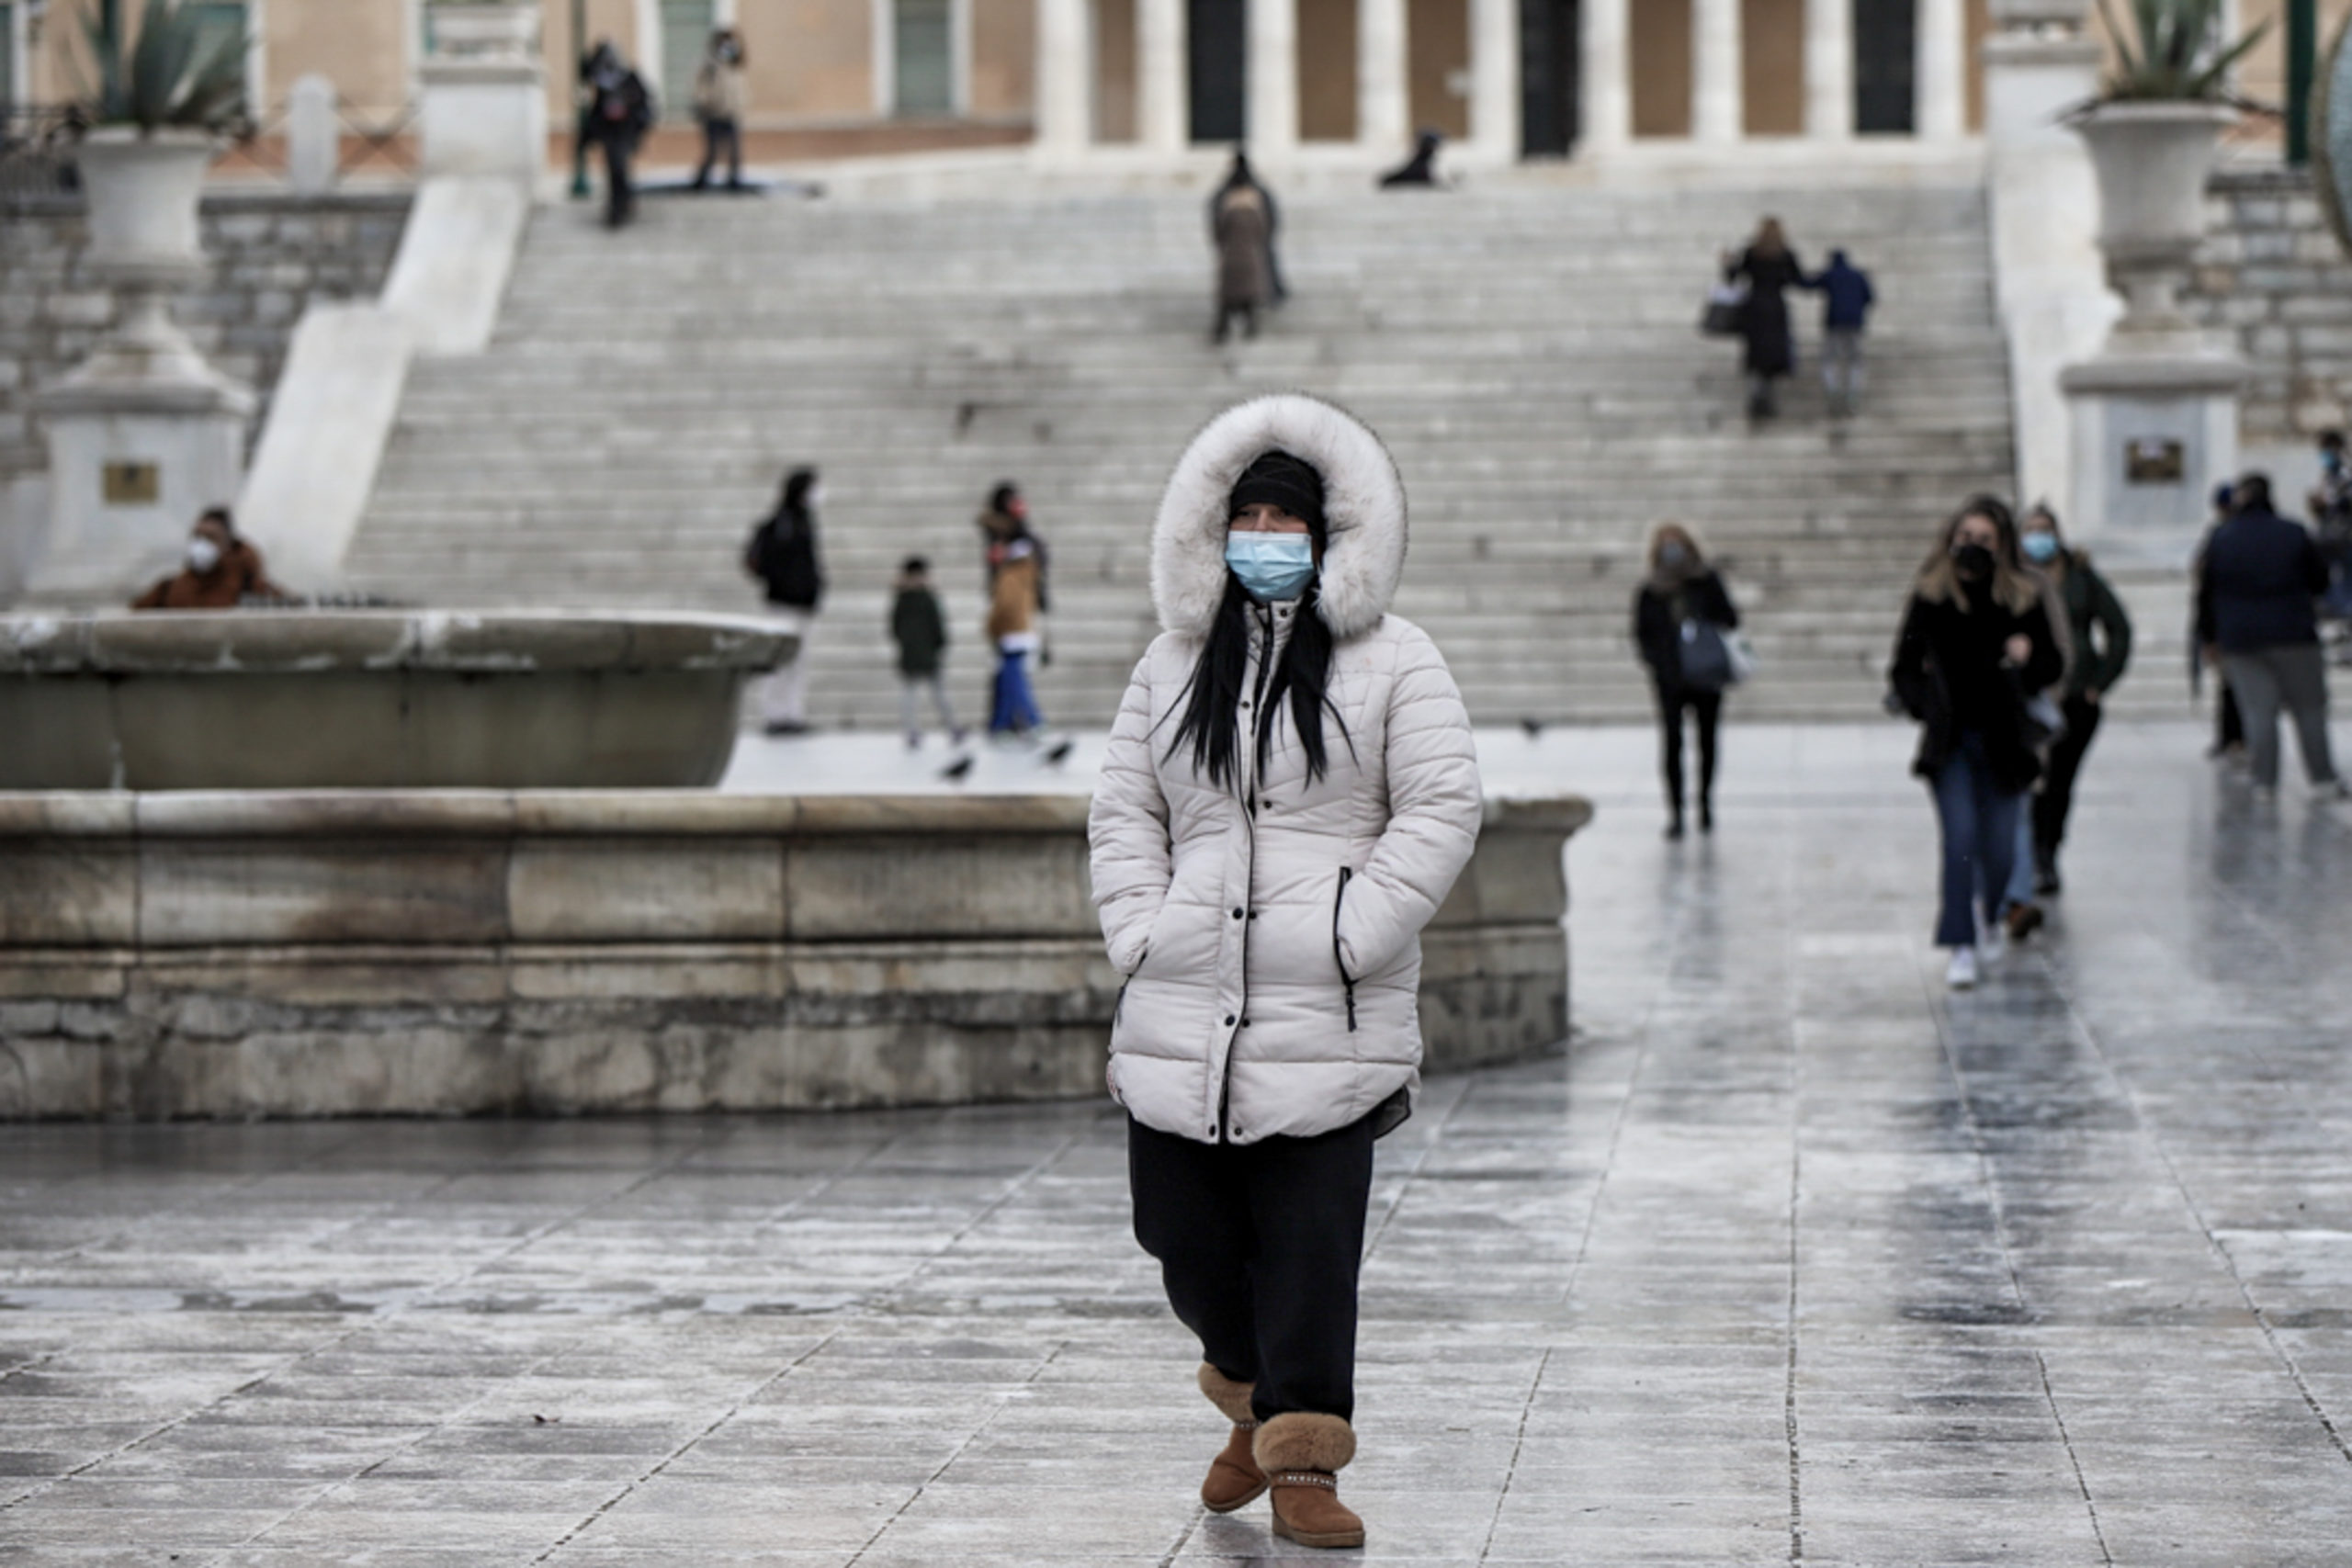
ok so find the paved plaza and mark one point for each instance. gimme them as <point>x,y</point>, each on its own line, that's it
<point>1793,1256</point>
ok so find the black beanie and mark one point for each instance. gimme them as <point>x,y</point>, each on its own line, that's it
<point>1280,479</point>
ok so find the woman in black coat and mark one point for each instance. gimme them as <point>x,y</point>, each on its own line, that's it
<point>1769,269</point>
<point>1681,587</point>
<point>1976,637</point>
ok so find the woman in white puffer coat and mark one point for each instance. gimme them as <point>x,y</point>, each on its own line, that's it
<point>1290,792</point>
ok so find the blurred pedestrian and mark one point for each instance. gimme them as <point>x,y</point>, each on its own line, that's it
<point>220,570</point>
<point>1769,269</point>
<point>2098,636</point>
<point>1241,224</point>
<point>1976,637</point>
<point>719,98</point>
<point>620,111</point>
<point>1263,878</point>
<point>1846,299</point>
<point>920,628</point>
<point>1017,598</point>
<point>2229,725</point>
<point>1420,169</point>
<point>783,556</point>
<point>2257,587</point>
<point>1681,614</point>
<point>2331,505</point>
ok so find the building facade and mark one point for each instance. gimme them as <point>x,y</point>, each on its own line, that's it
<point>1511,77</point>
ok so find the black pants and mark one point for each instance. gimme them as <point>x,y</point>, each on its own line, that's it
<point>717,136</point>
<point>620,193</point>
<point>1259,1245</point>
<point>1707,707</point>
<point>2057,798</point>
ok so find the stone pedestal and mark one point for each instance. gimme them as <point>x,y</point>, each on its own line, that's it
<point>2152,436</point>
<point>144,434</point>
<point>484,109</point>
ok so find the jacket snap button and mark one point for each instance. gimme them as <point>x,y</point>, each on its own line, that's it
<point>1236,914</point>
<point>1228,1020</point>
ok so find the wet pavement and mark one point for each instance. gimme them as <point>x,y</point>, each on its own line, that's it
<point>1793,1257</point>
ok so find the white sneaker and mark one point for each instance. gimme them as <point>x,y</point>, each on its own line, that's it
<point>1962,973</point>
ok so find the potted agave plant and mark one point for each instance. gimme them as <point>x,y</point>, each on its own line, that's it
<point>2153,133</point>
<point>160,105</point>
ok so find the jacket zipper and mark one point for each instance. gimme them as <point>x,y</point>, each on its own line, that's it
<point>1249,815</point>
<point>1339,902</point>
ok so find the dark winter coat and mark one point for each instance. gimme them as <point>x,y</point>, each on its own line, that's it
<point>1658,617</point>
<point>1765,322</point>
<point>920,629</point>
<point>619,105</point>
<point>1846,295</point>
<point>2256,582</point>
<point>784,556</point>
<point>2092,606</point>
<point>237,576</point>
<point>1948,673</point>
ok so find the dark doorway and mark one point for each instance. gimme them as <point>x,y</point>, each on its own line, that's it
<point>1551,74</point>
<point>1220,51</point>
<point>1883,54</point>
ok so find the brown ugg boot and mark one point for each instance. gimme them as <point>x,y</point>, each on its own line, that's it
<point>1235,1479</point>
<point>1302,1454</point>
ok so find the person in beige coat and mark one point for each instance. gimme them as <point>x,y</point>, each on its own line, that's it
<point>1289,791</point>
<point>719,99</point>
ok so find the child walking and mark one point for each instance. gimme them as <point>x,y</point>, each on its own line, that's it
<point>920,628</point>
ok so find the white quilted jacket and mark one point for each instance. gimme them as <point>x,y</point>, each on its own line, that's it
<point>1272,948</point>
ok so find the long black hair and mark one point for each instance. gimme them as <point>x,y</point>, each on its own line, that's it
<point>1212,720</point>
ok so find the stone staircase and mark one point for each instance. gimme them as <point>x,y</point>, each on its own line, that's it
<point>1527,350</point>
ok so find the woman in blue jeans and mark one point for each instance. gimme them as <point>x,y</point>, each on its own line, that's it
<point>1976,637</point>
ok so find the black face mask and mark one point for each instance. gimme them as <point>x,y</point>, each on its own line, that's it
<point>1975,561</point>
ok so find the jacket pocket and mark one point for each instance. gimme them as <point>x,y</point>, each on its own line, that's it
<point>1339,902</point>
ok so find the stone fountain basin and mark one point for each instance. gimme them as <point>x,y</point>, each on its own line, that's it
<point>374,699</point>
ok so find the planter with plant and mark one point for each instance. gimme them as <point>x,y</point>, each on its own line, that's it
<point>158,109</point>
<point>2153,132</point>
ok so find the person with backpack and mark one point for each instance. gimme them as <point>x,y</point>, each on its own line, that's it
<point>1680,605</point>
<point>1846,300</point>
<point>783,557</point>
<point>620,111</point>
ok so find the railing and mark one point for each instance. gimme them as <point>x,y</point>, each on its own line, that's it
<point>36,144</point>
<point>37,149</point>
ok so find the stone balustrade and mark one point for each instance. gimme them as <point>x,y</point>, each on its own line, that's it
<point>556,951</point>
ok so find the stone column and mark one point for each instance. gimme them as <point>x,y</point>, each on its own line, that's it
<point>1162,111</point>
<point>1941,107</point>
<point>1494,79</point>
<point>1828,69</point>
<point>1272,127</point>
<point>1065,86</point>
<point>1607,91</point>
<point>1384,104</point>
<point>1717,110</point>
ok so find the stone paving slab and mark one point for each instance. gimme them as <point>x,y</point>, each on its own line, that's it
<point>1793,1256</point>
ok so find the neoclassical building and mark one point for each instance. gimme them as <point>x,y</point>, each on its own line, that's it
<point>1511,77</point>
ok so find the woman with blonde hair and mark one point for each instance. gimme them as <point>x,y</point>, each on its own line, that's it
<point>1679,601</point>
<point>1976,637</point>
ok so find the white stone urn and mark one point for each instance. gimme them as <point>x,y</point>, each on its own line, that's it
<point>476,30</point>
<point>2152,160</point>
<point>143,190</point>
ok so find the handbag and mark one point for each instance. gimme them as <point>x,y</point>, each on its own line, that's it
<point>1726,312</point>
<point>1703,658</point>
<point>1743,662</point>
<point>2045,722</point>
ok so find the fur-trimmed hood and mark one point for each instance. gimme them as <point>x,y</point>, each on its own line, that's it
<point>1363,506</point>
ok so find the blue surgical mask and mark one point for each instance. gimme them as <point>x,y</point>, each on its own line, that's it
<point>1273,566</point>
<point>2039,547</point>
